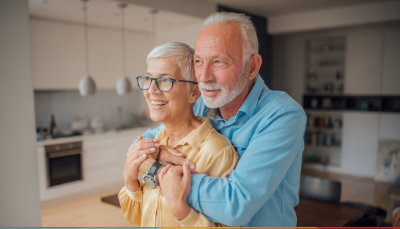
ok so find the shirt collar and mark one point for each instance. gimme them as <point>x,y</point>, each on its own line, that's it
<point>194,138</point>
<point>249,105</point>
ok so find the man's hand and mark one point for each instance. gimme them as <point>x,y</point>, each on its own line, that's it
<point>176,188</point>
<point>395,220</point>
<point>167,155</point>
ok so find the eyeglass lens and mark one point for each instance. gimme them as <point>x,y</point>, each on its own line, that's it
<point>163,83</point>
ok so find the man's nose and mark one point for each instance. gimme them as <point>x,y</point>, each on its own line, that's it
<point>206,74</point>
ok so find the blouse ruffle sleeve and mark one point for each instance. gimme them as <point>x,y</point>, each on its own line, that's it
<point>131,204</point>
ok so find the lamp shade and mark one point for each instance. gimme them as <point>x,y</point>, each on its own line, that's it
<point>87,86</point>
<point>123,86</point>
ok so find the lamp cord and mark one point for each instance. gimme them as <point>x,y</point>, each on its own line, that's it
<point>86,37</point>
<point>123,40</point>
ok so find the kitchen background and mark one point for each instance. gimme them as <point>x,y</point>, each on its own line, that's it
<point>339,59</point>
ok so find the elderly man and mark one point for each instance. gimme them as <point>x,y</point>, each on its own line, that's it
<point>265,127</point>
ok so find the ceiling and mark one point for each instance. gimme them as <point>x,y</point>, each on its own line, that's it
<point>276,7</point>
<point>106,13</point>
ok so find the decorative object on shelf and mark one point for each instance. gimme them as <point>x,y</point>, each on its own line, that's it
<point>388,161</point>
<point>364,106</point>
<point>327,48</point>
<point>87,85</point>
<point>123,85</point>
<point>325,59</point>
<point>314,103</point>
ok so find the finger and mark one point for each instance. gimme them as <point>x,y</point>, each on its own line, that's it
<point>186,173</point>
<point>172,159</point>
<point>139,161</point>
<point>191,164</point>
<point>174,151</point>
<point>148,145</point>
<point>176,171</point>
<point>191,167</point>
<point>149,140</point>
<point>163,172</point>
<point>147,151</point>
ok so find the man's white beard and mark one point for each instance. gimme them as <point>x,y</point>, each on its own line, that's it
<point>225,96</point>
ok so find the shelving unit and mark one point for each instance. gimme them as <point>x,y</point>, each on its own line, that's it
<point>325,65</point>
<point>323,138</point>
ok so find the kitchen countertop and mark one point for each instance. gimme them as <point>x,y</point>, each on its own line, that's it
<point>93,136</point>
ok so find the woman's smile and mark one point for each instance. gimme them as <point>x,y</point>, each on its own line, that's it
<point>158,104</point>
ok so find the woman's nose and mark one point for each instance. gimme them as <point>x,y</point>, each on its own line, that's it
<point>153,87</point>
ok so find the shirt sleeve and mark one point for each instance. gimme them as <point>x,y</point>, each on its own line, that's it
<point>234,200</point>
<point>219,165</point>
<point>131,204</point>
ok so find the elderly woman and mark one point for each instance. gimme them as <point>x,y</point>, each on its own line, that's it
<point>170,99</point>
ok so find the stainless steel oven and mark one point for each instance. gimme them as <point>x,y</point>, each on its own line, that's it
<point>64,163</point>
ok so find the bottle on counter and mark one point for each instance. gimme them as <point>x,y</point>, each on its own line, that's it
<point>53,127</point>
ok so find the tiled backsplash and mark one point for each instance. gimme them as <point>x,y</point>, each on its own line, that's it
<point>105,103</point>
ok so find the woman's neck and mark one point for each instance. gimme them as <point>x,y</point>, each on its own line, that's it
<point>178,129</point>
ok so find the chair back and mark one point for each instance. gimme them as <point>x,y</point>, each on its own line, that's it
<point>322,190</point>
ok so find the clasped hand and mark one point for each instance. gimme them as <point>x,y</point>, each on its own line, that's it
<point>175,187</point>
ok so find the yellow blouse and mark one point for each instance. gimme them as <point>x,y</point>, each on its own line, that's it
<point>213,155</point>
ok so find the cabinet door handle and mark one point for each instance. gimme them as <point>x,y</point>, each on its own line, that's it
<point>65,153</point>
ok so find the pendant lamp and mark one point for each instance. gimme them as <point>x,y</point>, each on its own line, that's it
<point>123,85</point>
<point>87,85</point>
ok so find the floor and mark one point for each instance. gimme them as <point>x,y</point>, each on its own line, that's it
<point>91,212</point>
<point>85,212</point>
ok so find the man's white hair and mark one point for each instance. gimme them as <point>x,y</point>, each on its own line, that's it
<point>248,31</point>
<point>180,54</point>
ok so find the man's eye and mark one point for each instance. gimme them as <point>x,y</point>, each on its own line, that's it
<point>218,62</point>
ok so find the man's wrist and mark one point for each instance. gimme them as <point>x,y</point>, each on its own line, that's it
<point>146,165</point>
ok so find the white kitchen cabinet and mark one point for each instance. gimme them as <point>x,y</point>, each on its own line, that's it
<point>58,55</point>
<point>49,55</point>
<point>364,64</point>
<point>360,143</point>
<point>99,153</point>
<point>389,126</point>
<point>391,63</point>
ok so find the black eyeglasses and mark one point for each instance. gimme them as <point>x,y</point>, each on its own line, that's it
<point>163,83</point>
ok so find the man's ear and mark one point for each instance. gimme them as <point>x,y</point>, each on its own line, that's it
<point>194,93</point>
<point>254,65</point>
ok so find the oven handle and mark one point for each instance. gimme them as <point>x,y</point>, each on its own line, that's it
<point>65,153</point>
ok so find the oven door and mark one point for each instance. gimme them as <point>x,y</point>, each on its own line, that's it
<point>64,166</point>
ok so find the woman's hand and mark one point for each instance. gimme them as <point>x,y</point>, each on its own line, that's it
<point>136,155</point>
<point>176,189</point>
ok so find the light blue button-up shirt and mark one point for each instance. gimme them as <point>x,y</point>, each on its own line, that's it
<point>267,133</point>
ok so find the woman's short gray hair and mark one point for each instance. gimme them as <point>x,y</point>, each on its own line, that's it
<point>180,54</point>
<point>248,31</point>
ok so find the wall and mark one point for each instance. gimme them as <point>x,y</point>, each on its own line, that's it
<point>20,206</point>
<point>186,34</point>
<point>193,8</point>
<point>105,103</point>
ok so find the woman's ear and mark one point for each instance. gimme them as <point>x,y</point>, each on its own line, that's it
<point>194,93</point>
